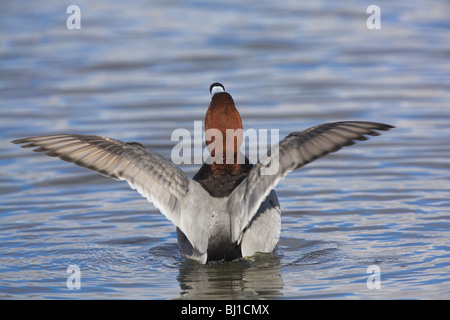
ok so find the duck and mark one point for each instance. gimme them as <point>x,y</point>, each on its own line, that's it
<point>229,209</point>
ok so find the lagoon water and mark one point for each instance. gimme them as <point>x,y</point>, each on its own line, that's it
<point>137,71</point>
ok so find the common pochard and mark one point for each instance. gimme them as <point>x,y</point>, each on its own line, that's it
<point>228,209</point>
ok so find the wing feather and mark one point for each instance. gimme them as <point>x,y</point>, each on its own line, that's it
<point>293,152</point>
<point>153,176</point>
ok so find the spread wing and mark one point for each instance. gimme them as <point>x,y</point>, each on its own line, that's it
<point>153,176</point>
<point>293,152</point>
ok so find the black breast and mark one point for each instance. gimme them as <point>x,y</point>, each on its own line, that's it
<point>221,186</point>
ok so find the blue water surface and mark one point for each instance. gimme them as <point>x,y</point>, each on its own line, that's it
<point>137,71</point>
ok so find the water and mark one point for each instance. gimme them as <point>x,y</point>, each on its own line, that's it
<point>138,71</point>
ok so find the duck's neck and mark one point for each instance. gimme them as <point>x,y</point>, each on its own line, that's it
<point>224,121</point>
<point>225,168</point>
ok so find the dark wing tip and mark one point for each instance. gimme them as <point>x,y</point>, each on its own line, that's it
<point>383,126</point>
<point>29,143</point>
<point>371,125</point>
<point>366,128</point>
<point>19,141</point>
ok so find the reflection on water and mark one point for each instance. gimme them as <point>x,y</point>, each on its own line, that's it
<point>137,72</point>
<point>257,279</point>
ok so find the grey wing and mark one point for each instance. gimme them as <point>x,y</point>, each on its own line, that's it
<point>293,152</point>
<point>153,176</point>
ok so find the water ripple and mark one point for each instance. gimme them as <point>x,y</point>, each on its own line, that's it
<point>131,69</point>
